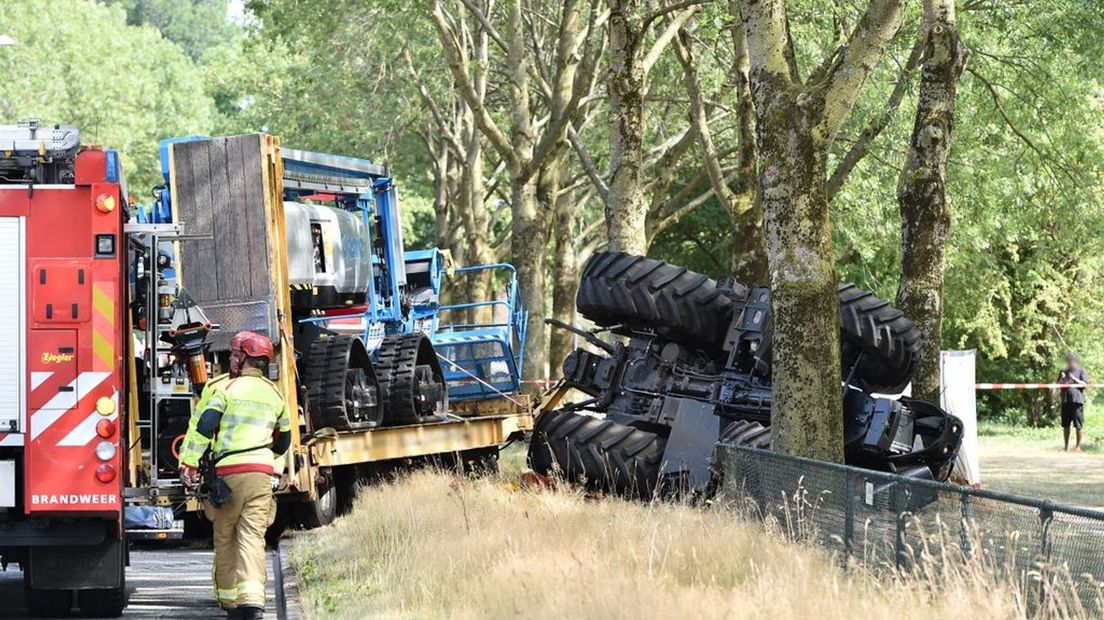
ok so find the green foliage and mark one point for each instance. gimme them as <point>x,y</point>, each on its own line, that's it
<point>197,26</point>
<point>79,63</point>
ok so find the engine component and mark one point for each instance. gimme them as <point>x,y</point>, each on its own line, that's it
<point>328,258</point>
<point>30,153</point>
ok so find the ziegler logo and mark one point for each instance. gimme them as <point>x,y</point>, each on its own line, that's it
<point>56,358</point>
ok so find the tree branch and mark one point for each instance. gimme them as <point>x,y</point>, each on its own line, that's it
<point>457,66</point>
<point>588,164</point>
<point>846,71</point>
<point>698,116</point>
<point>664,38</point>
<point>768,38</point>
<point>861,145</point>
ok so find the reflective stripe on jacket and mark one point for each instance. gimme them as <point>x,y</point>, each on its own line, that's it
<point>252,409</point>
<point>194,444</point>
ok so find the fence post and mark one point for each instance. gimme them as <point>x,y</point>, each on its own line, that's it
<point>1046,517</point>
<point>849,516</point>
<point>900,500</point>
<point>967,514</point>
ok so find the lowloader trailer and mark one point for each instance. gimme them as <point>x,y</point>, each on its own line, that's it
<point>307,249</point>
<point>116,317</point>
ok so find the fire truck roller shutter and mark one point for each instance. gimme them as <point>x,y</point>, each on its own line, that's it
<point>12,317</point>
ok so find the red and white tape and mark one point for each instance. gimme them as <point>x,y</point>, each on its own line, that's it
<point>1032,386</point>
<point>977,386</point>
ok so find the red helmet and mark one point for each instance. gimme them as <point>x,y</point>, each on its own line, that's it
<point>249,344</point>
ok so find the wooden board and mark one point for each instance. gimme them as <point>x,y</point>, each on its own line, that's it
<point>218,194</point>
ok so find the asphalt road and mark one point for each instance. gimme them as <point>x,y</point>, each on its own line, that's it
<point>164,582</point>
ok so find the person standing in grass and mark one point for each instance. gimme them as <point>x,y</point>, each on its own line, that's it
<point>1073,399</point>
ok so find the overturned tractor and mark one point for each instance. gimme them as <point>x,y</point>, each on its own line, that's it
<point>695,372</point>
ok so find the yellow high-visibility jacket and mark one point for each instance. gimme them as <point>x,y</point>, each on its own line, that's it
<point>250,412</point>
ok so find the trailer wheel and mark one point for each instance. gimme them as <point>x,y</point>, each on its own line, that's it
<point>679,304</point>
<point>347,484</point>
<point>412,385</point>
<point>342,389</point>
<point>887,340</point>
<point>480,462</point>
<point>601,454</point>
<point>46,603</point>
<point>319,512</point>
<point>103,603</point>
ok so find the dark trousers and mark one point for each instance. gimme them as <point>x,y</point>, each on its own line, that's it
<point>1073,414</point>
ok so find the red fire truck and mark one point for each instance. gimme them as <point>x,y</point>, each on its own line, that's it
<point>62,378</point>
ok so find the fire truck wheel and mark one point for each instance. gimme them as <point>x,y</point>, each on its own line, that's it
<point>640,292</point>
<point>103,603</point>
<point>47,603</point>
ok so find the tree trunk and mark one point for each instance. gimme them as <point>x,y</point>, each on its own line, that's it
<point>795,125</point>
<point>806,410</point>
<point>565,282</point>
<point>749,240</point>
<point>528,243</point>
<point>626,206</point>
<point>922,191</point>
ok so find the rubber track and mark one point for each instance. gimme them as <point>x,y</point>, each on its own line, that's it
<point>398,356</point>
<point>602,454</point>
<point>889,341</point>
<point>324,375</point>
<point>679,304</point>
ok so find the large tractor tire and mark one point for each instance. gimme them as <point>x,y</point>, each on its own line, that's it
<point>640,292</point>
<point>886,340</point>
<point>601,454</point>
<point>739,433</point>
<point>342,389</point>
<point>412,385</point>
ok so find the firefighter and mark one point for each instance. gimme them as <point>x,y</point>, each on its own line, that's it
<point>243,422</point>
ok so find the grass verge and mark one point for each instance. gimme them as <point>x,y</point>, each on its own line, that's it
<point>435,545</point>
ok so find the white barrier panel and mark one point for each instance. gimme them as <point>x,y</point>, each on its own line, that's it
<point>958,397</point>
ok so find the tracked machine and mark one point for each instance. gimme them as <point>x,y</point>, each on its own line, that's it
<point>692,370</point>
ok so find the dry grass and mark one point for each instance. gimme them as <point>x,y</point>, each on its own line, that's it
<point>434,545</point>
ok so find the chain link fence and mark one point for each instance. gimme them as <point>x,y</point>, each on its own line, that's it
<point>1052,554</point>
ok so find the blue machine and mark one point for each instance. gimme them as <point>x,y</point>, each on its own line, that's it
<point>349,269</point>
